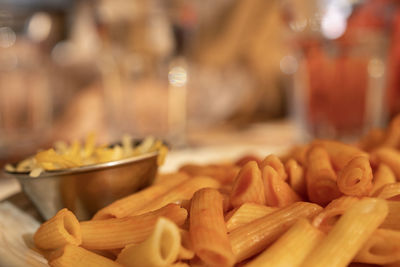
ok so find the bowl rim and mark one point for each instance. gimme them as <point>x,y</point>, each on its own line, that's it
<point>85,168</point>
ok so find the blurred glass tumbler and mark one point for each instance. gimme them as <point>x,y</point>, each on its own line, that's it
<point>144,83</point>
<point>25,94</point>
<point>339,89</point>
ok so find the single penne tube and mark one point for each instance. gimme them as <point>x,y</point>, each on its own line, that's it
<point>382,176</point>
<point>248,186</point>
<point>161,248</point>
<point>389,192</point>
<point>166,177</point>
<point>383,247</point>
<point>320,176</point>
<point>331,214</point>
<point>246,213</point>
<point>349,234</point>
<point>60,230</point>
<point>298,153</point>
<point>184,190</point>
<point>223,173</point>
<point>277,192</point>
<point>291,248</point>
<point>226,201</point>
<point>118,232</point>
<point>130,204</point>
<point>392,220</point>
<point>356,178</point>
<point>388,156</point>
<point>71,255</point>
<point>296,177</point>
<point>240,162</point>
<point>207,229</point>
<point>251,238</point>
<point>273,161</point>
<point>339,153</point>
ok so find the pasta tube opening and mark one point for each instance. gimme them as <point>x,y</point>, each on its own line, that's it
<point>60,230</point>
<point>356,178</point>
<point>161,248</point>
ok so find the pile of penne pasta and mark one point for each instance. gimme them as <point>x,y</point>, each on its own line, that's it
<point>323,204</point>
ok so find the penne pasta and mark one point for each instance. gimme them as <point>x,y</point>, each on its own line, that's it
<point>182,191</point>
<point>60,230</point>
<point>276,164</point>
<point>349,234</point>
<point>388,156</point>
<point>382,176</point>
<point>186,250</point>
<point>160,249</point>
<point>246,213</point>
<point>130,204</point>
<point>119,232</point>
<point>339,153</point>
<point>372,140</point>
<point>246,158</point>
<point>299,153</point>
<point>71,255</point>
<point>207,229</point>
<point>166,177</point>
<point>320,177</point>
<point>356,178</point>
<point>185,254</point>
<point>331,214</point>
<point>291,248</point>
<point>110,254</point>
<point>383,247</point>
<point>248,186</point>
<point>297,179</point>
<point>277,192</point>
<point>250,239</point>
<point>224,173</point>
<point>389,192</point>
<point>392,220</point>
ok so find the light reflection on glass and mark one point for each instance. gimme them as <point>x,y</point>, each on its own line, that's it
<point>334,20</point>
<point>298,25</point>
<point>177,76</point>
<point>7,37</point>
<point>288,64</point>
<point>333,25</point>
<point>376,68</point>
<point>39,26</point>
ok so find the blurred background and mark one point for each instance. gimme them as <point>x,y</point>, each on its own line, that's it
<point>195,72</point>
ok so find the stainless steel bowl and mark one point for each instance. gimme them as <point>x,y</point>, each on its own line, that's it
<point>85,190</point>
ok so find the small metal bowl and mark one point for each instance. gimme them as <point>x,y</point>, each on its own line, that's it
<point>84,190</point>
